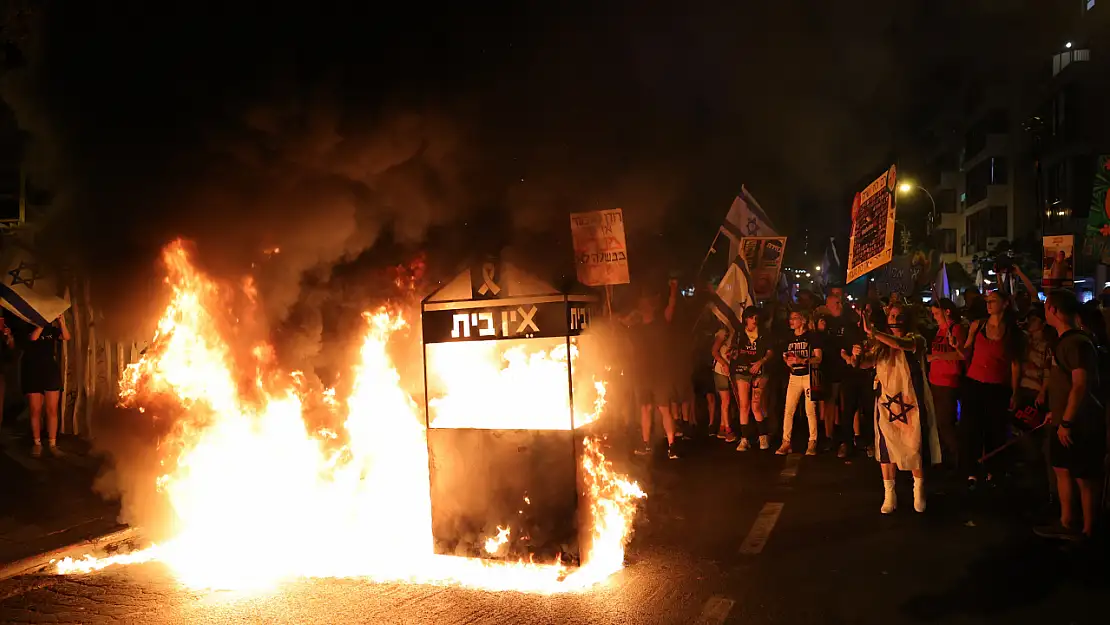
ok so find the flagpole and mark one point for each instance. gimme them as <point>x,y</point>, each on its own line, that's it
<point>707,255</point>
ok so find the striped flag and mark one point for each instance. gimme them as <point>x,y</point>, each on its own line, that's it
<point>905,423</point>
<point>28,291</point>
<point>733,294</point>
<point>745,219</point>
<point>940,284</point>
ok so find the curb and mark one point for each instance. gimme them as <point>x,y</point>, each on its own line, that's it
<point>38,562</point>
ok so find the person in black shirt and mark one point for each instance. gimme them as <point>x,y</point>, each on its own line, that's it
<point>843,333</point>
<point>799,353</point>
<point>42,380</point>
<point>751,350</point>
<point>653,385</point>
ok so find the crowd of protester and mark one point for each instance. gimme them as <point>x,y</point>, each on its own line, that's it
<point>921,386</point>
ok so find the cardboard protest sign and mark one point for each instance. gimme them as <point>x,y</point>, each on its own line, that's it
<point>600,252</point>
<point>872,240</point>
<point>764,257</point>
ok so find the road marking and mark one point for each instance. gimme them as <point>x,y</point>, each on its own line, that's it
<point>761,529</point>
<point>790,471</point>
<point>716,610</point>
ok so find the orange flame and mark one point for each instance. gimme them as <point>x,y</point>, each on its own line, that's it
<point>258,497</point>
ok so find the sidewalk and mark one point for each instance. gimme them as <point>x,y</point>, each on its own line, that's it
<point>48,502</point>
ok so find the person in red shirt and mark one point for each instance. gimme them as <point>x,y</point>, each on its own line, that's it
<point>993,351</point>
<point>946,371</point>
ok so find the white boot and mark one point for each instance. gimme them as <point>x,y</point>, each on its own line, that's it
<point>890,500</point>
<point>919,494</point>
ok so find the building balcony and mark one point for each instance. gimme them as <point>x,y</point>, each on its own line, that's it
<point>997,195</point>
<point>1068,57</point>
<point>996,144</point>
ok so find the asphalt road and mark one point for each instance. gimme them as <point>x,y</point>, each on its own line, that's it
<point>724,538</point>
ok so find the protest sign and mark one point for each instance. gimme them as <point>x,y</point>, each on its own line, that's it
<point>1058,270</point>
<point>872,240</point>
<point>764,257</point>
<point>600,252</point>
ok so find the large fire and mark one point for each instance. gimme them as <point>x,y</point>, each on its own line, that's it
<point>259,497</point>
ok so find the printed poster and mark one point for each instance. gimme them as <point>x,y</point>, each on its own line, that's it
<point>872,240</point>
<point>1097,240</point>
<point>764,257</point>
<point>600,252</point>
<point>1058,271</point>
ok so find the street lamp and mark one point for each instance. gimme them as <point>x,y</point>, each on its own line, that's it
<point>907,188</point>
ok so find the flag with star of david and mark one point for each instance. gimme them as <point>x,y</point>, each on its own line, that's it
<point>905,424</point>
<point>745,219</point>
<point>29,290</point>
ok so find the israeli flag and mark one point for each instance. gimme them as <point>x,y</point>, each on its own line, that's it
<point>745,219</point>
<point>28,291</point>
<point>733,294</point>
<point>905,422</point>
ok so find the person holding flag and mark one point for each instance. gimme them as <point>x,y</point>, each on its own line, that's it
<point>906,435</point>
<point>42,381</point>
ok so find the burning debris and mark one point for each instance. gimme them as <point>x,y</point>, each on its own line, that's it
<point>259,496</point>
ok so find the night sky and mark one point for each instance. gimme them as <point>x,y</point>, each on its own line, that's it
<point>324,130</point>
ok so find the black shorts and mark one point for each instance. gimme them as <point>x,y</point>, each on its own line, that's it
<point>40,377</point>
<point>703,381</point>
<point>1085,458</point>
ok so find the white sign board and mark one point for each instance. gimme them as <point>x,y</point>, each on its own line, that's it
<point>600,253</point>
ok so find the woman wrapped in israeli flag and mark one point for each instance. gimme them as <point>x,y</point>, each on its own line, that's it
<point>906,436</point>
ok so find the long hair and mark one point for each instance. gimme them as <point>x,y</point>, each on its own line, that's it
<point>1013,338</point>
<point>907,318</point>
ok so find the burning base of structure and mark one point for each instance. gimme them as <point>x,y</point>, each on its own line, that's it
<point>259,497</point>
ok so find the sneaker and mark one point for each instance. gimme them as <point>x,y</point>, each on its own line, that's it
<point>54,451</point>
<point>643,451</point>
<point>731,438</point>
<point>764,441</point>
<point>36,450</point>
<point>811,448</point>
<point>783,449</point>
<point>842,451</point>
<point>721,435</point>
<point>671,454</point>
<point>1058,531</point>
<point>744,445</point>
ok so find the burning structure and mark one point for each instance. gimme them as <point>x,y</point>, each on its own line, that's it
<point>509,400</point>
<point>257,493</point>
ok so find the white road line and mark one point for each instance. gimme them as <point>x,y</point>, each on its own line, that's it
<point>790,471</point>
<point>761,529</point>
<point>716,610</point>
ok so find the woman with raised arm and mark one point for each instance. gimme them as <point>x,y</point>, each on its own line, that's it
<point>905,427</point>
<point>993,350</point>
